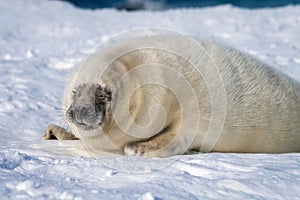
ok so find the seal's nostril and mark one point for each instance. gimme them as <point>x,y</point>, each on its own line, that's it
<point>83,111</point>
<point>86,111</point>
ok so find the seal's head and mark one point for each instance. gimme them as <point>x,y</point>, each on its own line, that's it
<point>90,104</point>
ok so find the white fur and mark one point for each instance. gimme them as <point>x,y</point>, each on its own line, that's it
<point>262,105</point>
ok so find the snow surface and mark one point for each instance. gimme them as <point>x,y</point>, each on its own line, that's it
<point>42,41</point>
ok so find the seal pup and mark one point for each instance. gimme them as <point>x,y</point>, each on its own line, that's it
<point>262,104</point>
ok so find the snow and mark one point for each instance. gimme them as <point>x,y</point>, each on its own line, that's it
<point>41,43</point>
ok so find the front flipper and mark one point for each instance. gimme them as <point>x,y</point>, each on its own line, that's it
<point>163,144</point>
<point>54,132</point>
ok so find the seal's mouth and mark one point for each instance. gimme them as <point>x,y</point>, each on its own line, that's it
<point>84,126</point>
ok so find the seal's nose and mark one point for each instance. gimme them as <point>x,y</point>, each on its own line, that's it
<point>85,111</point>
<point>85,115</point>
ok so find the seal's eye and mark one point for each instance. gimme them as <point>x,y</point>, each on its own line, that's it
<point>103,94</point>
<point>103,98</point>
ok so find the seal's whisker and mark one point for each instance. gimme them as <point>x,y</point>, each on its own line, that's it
<point>62,122</point>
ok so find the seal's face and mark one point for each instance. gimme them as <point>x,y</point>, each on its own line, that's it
<point>88,108</point>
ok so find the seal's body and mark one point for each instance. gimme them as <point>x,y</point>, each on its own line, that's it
<point>111,100</point>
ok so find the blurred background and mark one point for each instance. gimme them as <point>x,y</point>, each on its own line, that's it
<point>132,5</point>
